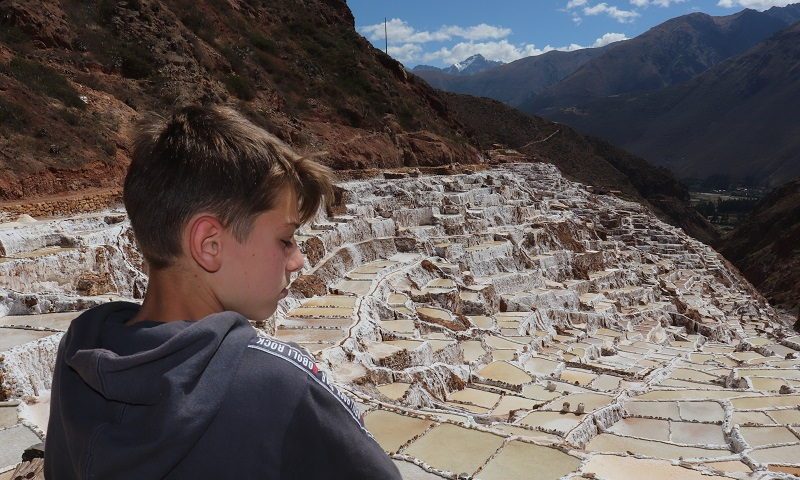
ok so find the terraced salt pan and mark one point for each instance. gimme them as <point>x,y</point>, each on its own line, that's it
<point>51,321</point>
<point>701,411</point>
<point>310,335</point>
<point>395,391</point>
<point>614,467</point>
<point>516,460</point>
<point>481,321</point>
<point>787,455</point>
<point>689,433</point>
<point>606,442</point>
<point>541,366</point>
<point>399,326</point>
<point>527,433</point>
<point>12,337</point>
<point>763,436</point>
<point>731,466</point>
<point>558,422</point>
<point>607,383</point>
<point>766,402</point>
<point>577,377</point>
<point>647,428</point>
<point>355,287</point>
<point>757,418</point>
<point>473,350</point>
<point>690,394</point>
<point>505,372</point>
<point>591,401</point>
<point>454,449</point>
<point>476,397</point>
<point>524,235</point>
<point>510,403</point>
<point>785,417</point>
<point>8,415</point>
<point>392,430</point>
<point>340,323</point>
<point>539,392</point>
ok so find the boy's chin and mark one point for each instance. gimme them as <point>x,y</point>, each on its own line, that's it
<point>259,314</point>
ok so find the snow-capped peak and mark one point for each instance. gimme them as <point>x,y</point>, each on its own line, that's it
<point>468,61</point>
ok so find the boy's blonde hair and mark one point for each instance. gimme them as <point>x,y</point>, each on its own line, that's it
<point>211,159</point>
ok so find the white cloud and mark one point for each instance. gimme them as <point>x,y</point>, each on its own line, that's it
<point>575,3</point>
<point>660,3</point>
<point>622,16</point>
<point>406,52</point>
<point>401,33</point>
<point>506,51</point>
<point>477,32</point>
<point>666,3</point>
<point>609,38</point>
<point>755,4</point>
<point>502,50</point>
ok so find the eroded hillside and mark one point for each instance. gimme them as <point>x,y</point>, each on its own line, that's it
<point>75,75</point>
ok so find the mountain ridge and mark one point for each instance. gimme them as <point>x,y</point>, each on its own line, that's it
<point>705,127</point>
<point>513,82</point>
<point>670,53</point>
<point>469,66</point>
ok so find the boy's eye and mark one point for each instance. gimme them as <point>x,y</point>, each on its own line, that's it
<point>287,243</point>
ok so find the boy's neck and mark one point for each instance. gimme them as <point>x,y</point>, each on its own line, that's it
<point>174,296</point>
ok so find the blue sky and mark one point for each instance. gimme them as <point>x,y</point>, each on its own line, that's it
<point>441,32</point>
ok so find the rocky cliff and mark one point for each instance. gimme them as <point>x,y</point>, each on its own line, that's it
<point>766,247</point>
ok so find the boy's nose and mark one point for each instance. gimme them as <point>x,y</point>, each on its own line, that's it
<point>296,261</point>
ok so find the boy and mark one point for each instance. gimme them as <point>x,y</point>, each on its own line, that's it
<point>183,387</point>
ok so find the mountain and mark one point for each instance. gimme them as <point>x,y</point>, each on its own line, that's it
<point>788,14</point>
<point>512,83</point>
<point>588,160</point>
<point>76,76</point>
<point>668,54</point>
<point>469,66</point>
<point>766,247</point>
<point>739,118</point>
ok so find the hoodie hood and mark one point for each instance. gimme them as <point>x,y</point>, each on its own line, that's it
<point>162,383</point>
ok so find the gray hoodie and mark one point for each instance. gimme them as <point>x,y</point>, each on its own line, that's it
<point>203,399</point>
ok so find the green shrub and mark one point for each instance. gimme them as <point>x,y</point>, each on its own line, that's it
<point>234,58</point>
<point>107,146</point>
<point>11,116</point>
<point>136,61</point>
<point>267,62</point>
<point>70,117</point>
<point>106,10</point>
<point>13,34</point>
<point>262,42</point>
<point>44,80</point>
<point>195,21</point>
<point>240,86</point>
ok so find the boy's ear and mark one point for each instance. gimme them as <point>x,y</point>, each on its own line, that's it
<point>205,241</point>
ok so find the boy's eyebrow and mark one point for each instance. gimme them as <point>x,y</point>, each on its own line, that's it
<point>293,224</point>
